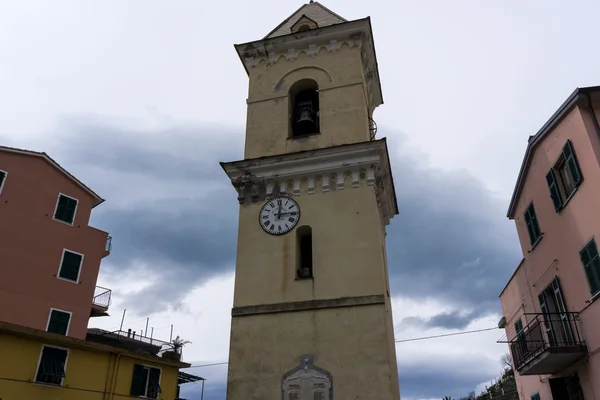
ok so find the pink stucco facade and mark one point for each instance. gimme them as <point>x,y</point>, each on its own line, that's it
<point>32,244</point>
<point>564,233</point>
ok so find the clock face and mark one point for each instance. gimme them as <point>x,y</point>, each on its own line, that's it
<point>279,215</point>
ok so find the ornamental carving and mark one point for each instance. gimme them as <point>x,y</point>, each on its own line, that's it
<point>307,382</point>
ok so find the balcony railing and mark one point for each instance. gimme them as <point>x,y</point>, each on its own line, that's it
<point>131,340</point>
<point>549,343</point>
<point>101,297</point>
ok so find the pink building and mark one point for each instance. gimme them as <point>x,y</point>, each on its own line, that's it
<point>550,313</point>
<point>49,256</point>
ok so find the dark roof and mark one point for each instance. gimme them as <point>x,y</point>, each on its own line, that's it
<point>97,198</point>
<point>578,96</point>
<point>315,11</point>
<point>183,377</point>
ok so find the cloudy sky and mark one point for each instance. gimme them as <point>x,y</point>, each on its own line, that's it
<point>141,99</point>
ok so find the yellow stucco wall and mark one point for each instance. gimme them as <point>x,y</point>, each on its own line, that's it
<point>343,106</point>
<point>348,251</point>
<point>351,343</point>
<point>86,373</point>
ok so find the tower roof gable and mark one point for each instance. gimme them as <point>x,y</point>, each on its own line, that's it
<point>313,11</point>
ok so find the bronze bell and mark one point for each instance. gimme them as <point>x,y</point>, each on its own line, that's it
<point>305,113</point>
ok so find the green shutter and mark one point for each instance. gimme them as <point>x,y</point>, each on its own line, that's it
<point>571,161</point>
<point>591,264</point>
<point>65,211</point>
<point>153,386</point>
<point>533,226</point>
<point>70,267</point>
<point>138,382</point>
<point>59,322</point>
<point>554,192</point>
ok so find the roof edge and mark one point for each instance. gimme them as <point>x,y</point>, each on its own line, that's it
<point>550,124</point>
<point>512,276</point>
<point>98,200</point>
<point>69,341</point>
<point>300,8</point>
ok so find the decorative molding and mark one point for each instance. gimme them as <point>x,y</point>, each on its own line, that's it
<point>307,305</point>
<point>355,34</point>
<point>307,381</point>
<point>317,171</point>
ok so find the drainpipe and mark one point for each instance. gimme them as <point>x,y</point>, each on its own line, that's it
<point>107,378</point>
<point>593,114</point>
<point>114,379</point>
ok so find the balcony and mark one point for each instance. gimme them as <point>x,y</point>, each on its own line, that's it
<point>101,302</point>
<point>548,344</point>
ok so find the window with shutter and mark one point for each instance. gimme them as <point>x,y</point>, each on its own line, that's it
<point>58,322</point>
<point>564,177</point>
<point>52,367</point>
<point>533,227</point>
<point>70,266</point>
<point>591,264</point>
<point>2,179</point>
<point>145,382</point>
<point>65,209</point>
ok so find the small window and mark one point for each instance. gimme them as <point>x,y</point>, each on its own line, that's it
<point>58,321</point>
<point>533,227</point>
<point>52,367</point>
<point>535,396</point>
<point>303,28</point>
<point>66,208</point>
<point>145,382</point>
<point>304,108</point>
<point>591,264</point>
<point>304,253</point>
<point>564,177</point>
<point>70,266</point>
<point>2,179</point>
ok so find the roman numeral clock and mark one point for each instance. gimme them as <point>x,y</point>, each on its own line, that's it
<point>279,215</point>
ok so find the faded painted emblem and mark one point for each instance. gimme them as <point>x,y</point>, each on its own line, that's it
<point>307,382</point>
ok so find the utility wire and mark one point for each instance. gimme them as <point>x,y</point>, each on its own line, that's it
<point>444,335</point>
<point>397,341</point>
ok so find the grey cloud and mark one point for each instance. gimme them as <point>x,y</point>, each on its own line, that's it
<point>450,241</point>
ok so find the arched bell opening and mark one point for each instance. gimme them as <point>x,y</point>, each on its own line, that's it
<point>304,108</point>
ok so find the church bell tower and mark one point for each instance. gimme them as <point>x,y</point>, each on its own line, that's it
<point>312,317</point>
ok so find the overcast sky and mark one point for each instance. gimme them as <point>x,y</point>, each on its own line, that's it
<point>141,99</point>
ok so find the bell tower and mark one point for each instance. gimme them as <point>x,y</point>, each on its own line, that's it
<point>312,315</point>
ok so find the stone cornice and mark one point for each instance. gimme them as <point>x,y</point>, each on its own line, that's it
<point>357,33</point>
<point>317,171</point>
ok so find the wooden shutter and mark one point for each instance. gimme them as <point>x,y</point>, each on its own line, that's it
<point>153,385</point>
<point>571,161</point>
<point>554,192</point>
<point>562,309</point>
<point>70,266</point>
<point>59,322</point>
<point>138,382</point>
<point>547,324</point>
<point>591,264</point>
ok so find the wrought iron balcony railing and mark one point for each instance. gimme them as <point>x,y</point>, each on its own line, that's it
<point>102,297</point>
<point>548,343</point>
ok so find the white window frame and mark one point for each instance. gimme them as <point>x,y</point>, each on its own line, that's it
<point>34,380</point>
<point>63,311</point>
<point>145,395</point>
<point>62,257</point>
<point>56,207</point>
<point>4,181</point>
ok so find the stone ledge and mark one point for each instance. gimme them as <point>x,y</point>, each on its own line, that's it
<point>308,305</point>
